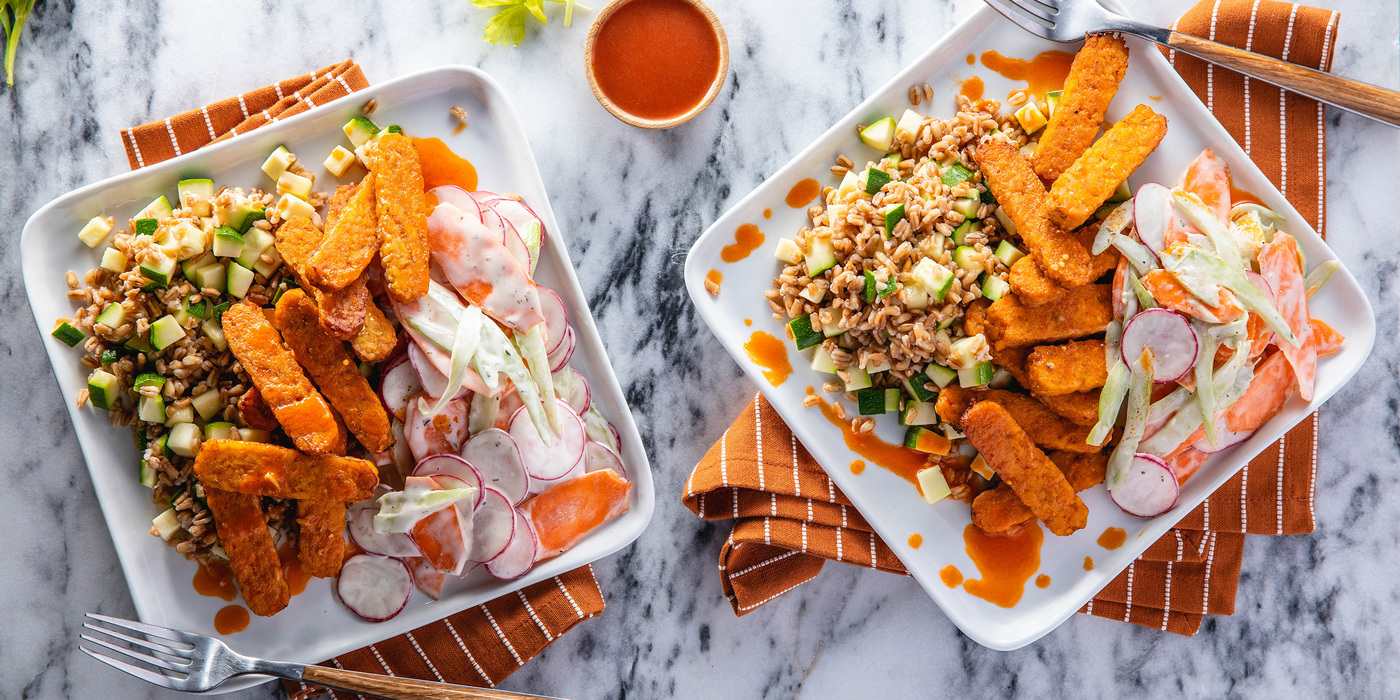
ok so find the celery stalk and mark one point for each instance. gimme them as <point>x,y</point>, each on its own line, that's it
<point>1139,402</point>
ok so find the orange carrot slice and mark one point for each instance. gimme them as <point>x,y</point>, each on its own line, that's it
<point>1208,177</point>
<point>1168,291</point>
<point>1120,278</point>
<point>1265,397</point>
<point>1187,462</point>
<point>563,514</point>
<point>1325,338</point>
<point>1279,264</point>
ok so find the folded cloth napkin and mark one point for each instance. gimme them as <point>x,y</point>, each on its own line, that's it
<point>790,518</point>
<point>479,646</point>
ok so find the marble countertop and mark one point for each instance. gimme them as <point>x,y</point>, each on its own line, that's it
<point>1314,611</point>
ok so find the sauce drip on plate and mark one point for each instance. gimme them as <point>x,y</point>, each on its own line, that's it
<point>230,619</point>
<point>1088,563</point>
<point>215,580</point>
<point>767,213</point>
<point>291,570</point>
<point>715,276</point>
<point>1044,73</point>
<point>747,239</point>
<point>857,466</point>
<point>972,88</point>
<point>1113,538</point>
<point>1006,562</point>
<point>770,354</point>
<point>916,540</point>
<point>802,193</point>
<point>443,167</point>
<point>656,59</point>
<point>951,576</point>
<point>1042,581</point>
<point>896,458</point>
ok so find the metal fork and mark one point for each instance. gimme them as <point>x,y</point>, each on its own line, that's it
<point>194,663</point>
<point>1070,20</point>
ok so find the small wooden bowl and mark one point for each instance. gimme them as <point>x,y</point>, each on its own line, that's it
<point>616,111</point>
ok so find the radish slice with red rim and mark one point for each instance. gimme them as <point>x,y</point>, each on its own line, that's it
<point>553,461</point>
<point>1152,207</point>
<point>1226,440</point>
<point>432,381</point>
<point>424,435</point>
<point>556,319</point>
<point>493,525</point>
<point>510,403</point>
<point>1168,335</point>
<point>564,352</point>
<point>495,457</point>
<point>360,523</point>
<point>397,385</point>
<point>519,556</point>
<point>598,457</point>
<point>458,197</point>
<point>449,465</point>
<point>374,587</point>
<point>580,395</point>
<point>1149,489</point>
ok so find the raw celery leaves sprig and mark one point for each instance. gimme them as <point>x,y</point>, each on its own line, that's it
<point>508,25</point>
<point>13,14</point>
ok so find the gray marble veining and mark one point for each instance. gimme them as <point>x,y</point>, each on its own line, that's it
<point>1314,613</point>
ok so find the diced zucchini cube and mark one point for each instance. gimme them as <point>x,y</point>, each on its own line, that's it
<point>295,185</point>
<point>940,376</point>
<point>919,413</point>
<point>933,485</point>
<point>103,389</point>
<point>166,524</point>
<point>339,161</point>
<point>274,261</point>
<point>179,416</point>
<point>207,404</point>
<point>114,260</point>
<point>907,128</point>
<point>833,328</point>
<point>151,409</point>
<point>788,251</point>
<point>184,438</point>
<point>211,276</point>
<point>254,435</point>
<point>1008,254</point>
<point>112,316</point>
<point>1122,194</point>
<point>197,196</point>
<point>359,130</point>
<point>803,334</point>
<point>994,288</point>
<point>1006,222</point>
<point>954,174</point>
<point>1031,118</point>
<point>239,280</point>
<point>95,230</point>
<point>934,278</point>
<point>968,206</point>
<point>146,379</point>
<point>255,242</point>
<point>967,258</point>
<point>822,362</point>
<point>159,273</point>
<point>870,402</point>
<point>848,185</point>
<point>915,298</point>
<point>821,256</point>
<point>872,179</point>
<point>214,331</point>
<point>976,375</point>
<point>228,243</point>
<point>877,366</point>
<point>277,162</point>
<point>157,209</point>
<point>813,293</point>
<point>218,430</point>
<point>879,135</point>
<point>186,240</point>
<point>165,332</point>
<point>892,219</point>
<point>891,400</point>
<point>854,378</point>
<point>1052,101</point>
<point>980,467</point>
<point>926,441</point>
<point>187,267</point>
<point>144,227</point>
<point>289,206</point>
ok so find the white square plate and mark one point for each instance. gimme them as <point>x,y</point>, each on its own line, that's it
<point>891,505</point>
<point>313,627</point>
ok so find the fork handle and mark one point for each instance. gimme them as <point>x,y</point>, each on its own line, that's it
<point>400,688</point>
<point>1352,95</point>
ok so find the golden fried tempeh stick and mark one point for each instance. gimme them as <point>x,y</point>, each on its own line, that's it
<point>252,555</point>
<point>1021,194</point>
<point>1047,428</point>
<point>333,371</point>
<point>350,242</point>
<point>1093,79</point>
<point>343,311</point>
<point>1000,509</point>
<point>262,469</point>
<point>1087,184</point>
<point>321,537</point>
<point>1034,288</point>
<point>1035,479</point>
<point>299,408</point>
<point>403,224</point>
<point>1079,408</point>
<point>1079,312</point>
<point>1057,370</point>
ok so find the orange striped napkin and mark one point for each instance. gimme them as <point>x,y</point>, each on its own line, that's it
<point>479,646</point>
<point>790,519</point>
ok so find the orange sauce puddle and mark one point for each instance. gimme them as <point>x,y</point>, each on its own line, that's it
<point>802,193</point>
<point>1042,581</point>
<point>748,322</point>
<point>857,466</point>
<point>770,354</point>
<point>459,128</point>
<point>1113,538</point>
<point>1155,98</point>
<point>656,59</point>
<point>216,581</point>
<point>972,88</point>
<point>971,59</point>
<point>951,576</point>
<point>1088,563</point>
<point>1044,73</point>
<point>896,458</point>
<point>291,570</point>
<point>747,239</point>
<point>443,167</point>
<point>1239,196</point>
<point>715,277</point>
<point>811,391</point>
<point>1006,562</point>
<point>767,213</point>
<point>916,540</point>
<point>230,619</point>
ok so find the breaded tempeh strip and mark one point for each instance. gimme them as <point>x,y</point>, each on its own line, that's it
<point>1093,79</point>
<point>252,555</point>
<point>343,311</point>
<point>333,371</point>
<point>1035,479</point>
<point>1079,408</point>
<point>350,242</point>
<point>1087,184</point>
<point>975,317</point>
<point>1030,283</point>
<point>403,223</point>
<point>1057,370</point>
<point>254,411</point>
<point>1079,312</point>
<point>1020,193</point>
<point>303,414</point>
<point>263,469</point>
<point>1000,509</point>
<point>376,341</point>
<point>1047,428</point>
<point>321,536</point>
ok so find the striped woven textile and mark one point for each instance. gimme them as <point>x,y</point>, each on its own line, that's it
<point>790,519</point>
<point>479,646</point>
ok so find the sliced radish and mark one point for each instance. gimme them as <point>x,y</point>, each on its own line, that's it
<point>1170,338</point>
<point>580,396</point>
<point>403,456</point>
<point>493,524</point>
<point>515,243</point>
<point>519,555</point>
<point>432,381</point>
<point>444,539</point>
<point>1260,283</point>
<point>564,352</point>
<point>553,461</point>
<point>440,359</point>
<point>600,430</point>
<point>1227,439</point>
<point>458,197</point>
<point>510,403</point>
<point>428,579</point>
<point>360,523</point>
<point>1149,489</point>
<point>1152,209</point>
<point>596,457</point>
<point>556,319</point>
<point>496,458</point>
<point>538,486</point>
<point>397,385</point>
<point>374,587</point>
<point>449,465</point>
<point>422,434</point>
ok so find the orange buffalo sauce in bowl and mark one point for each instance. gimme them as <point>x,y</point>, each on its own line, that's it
<point>656,63</point>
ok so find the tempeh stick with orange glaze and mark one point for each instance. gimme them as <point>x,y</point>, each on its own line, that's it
<point>1047,428</point>
<point>1093,80</point>
<point>1035,479</point>
<point>1087,184</point>
<point>1079,312</point>
<point>263,469</point>
<point>1000,509</point>
<point>1056,370</point>
<point>350,242</point>
<point>402,210</point>
<point>242,528</point>
<point>1021,194</point>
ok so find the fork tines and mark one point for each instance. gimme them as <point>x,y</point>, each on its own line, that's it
<point>154,654</point>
